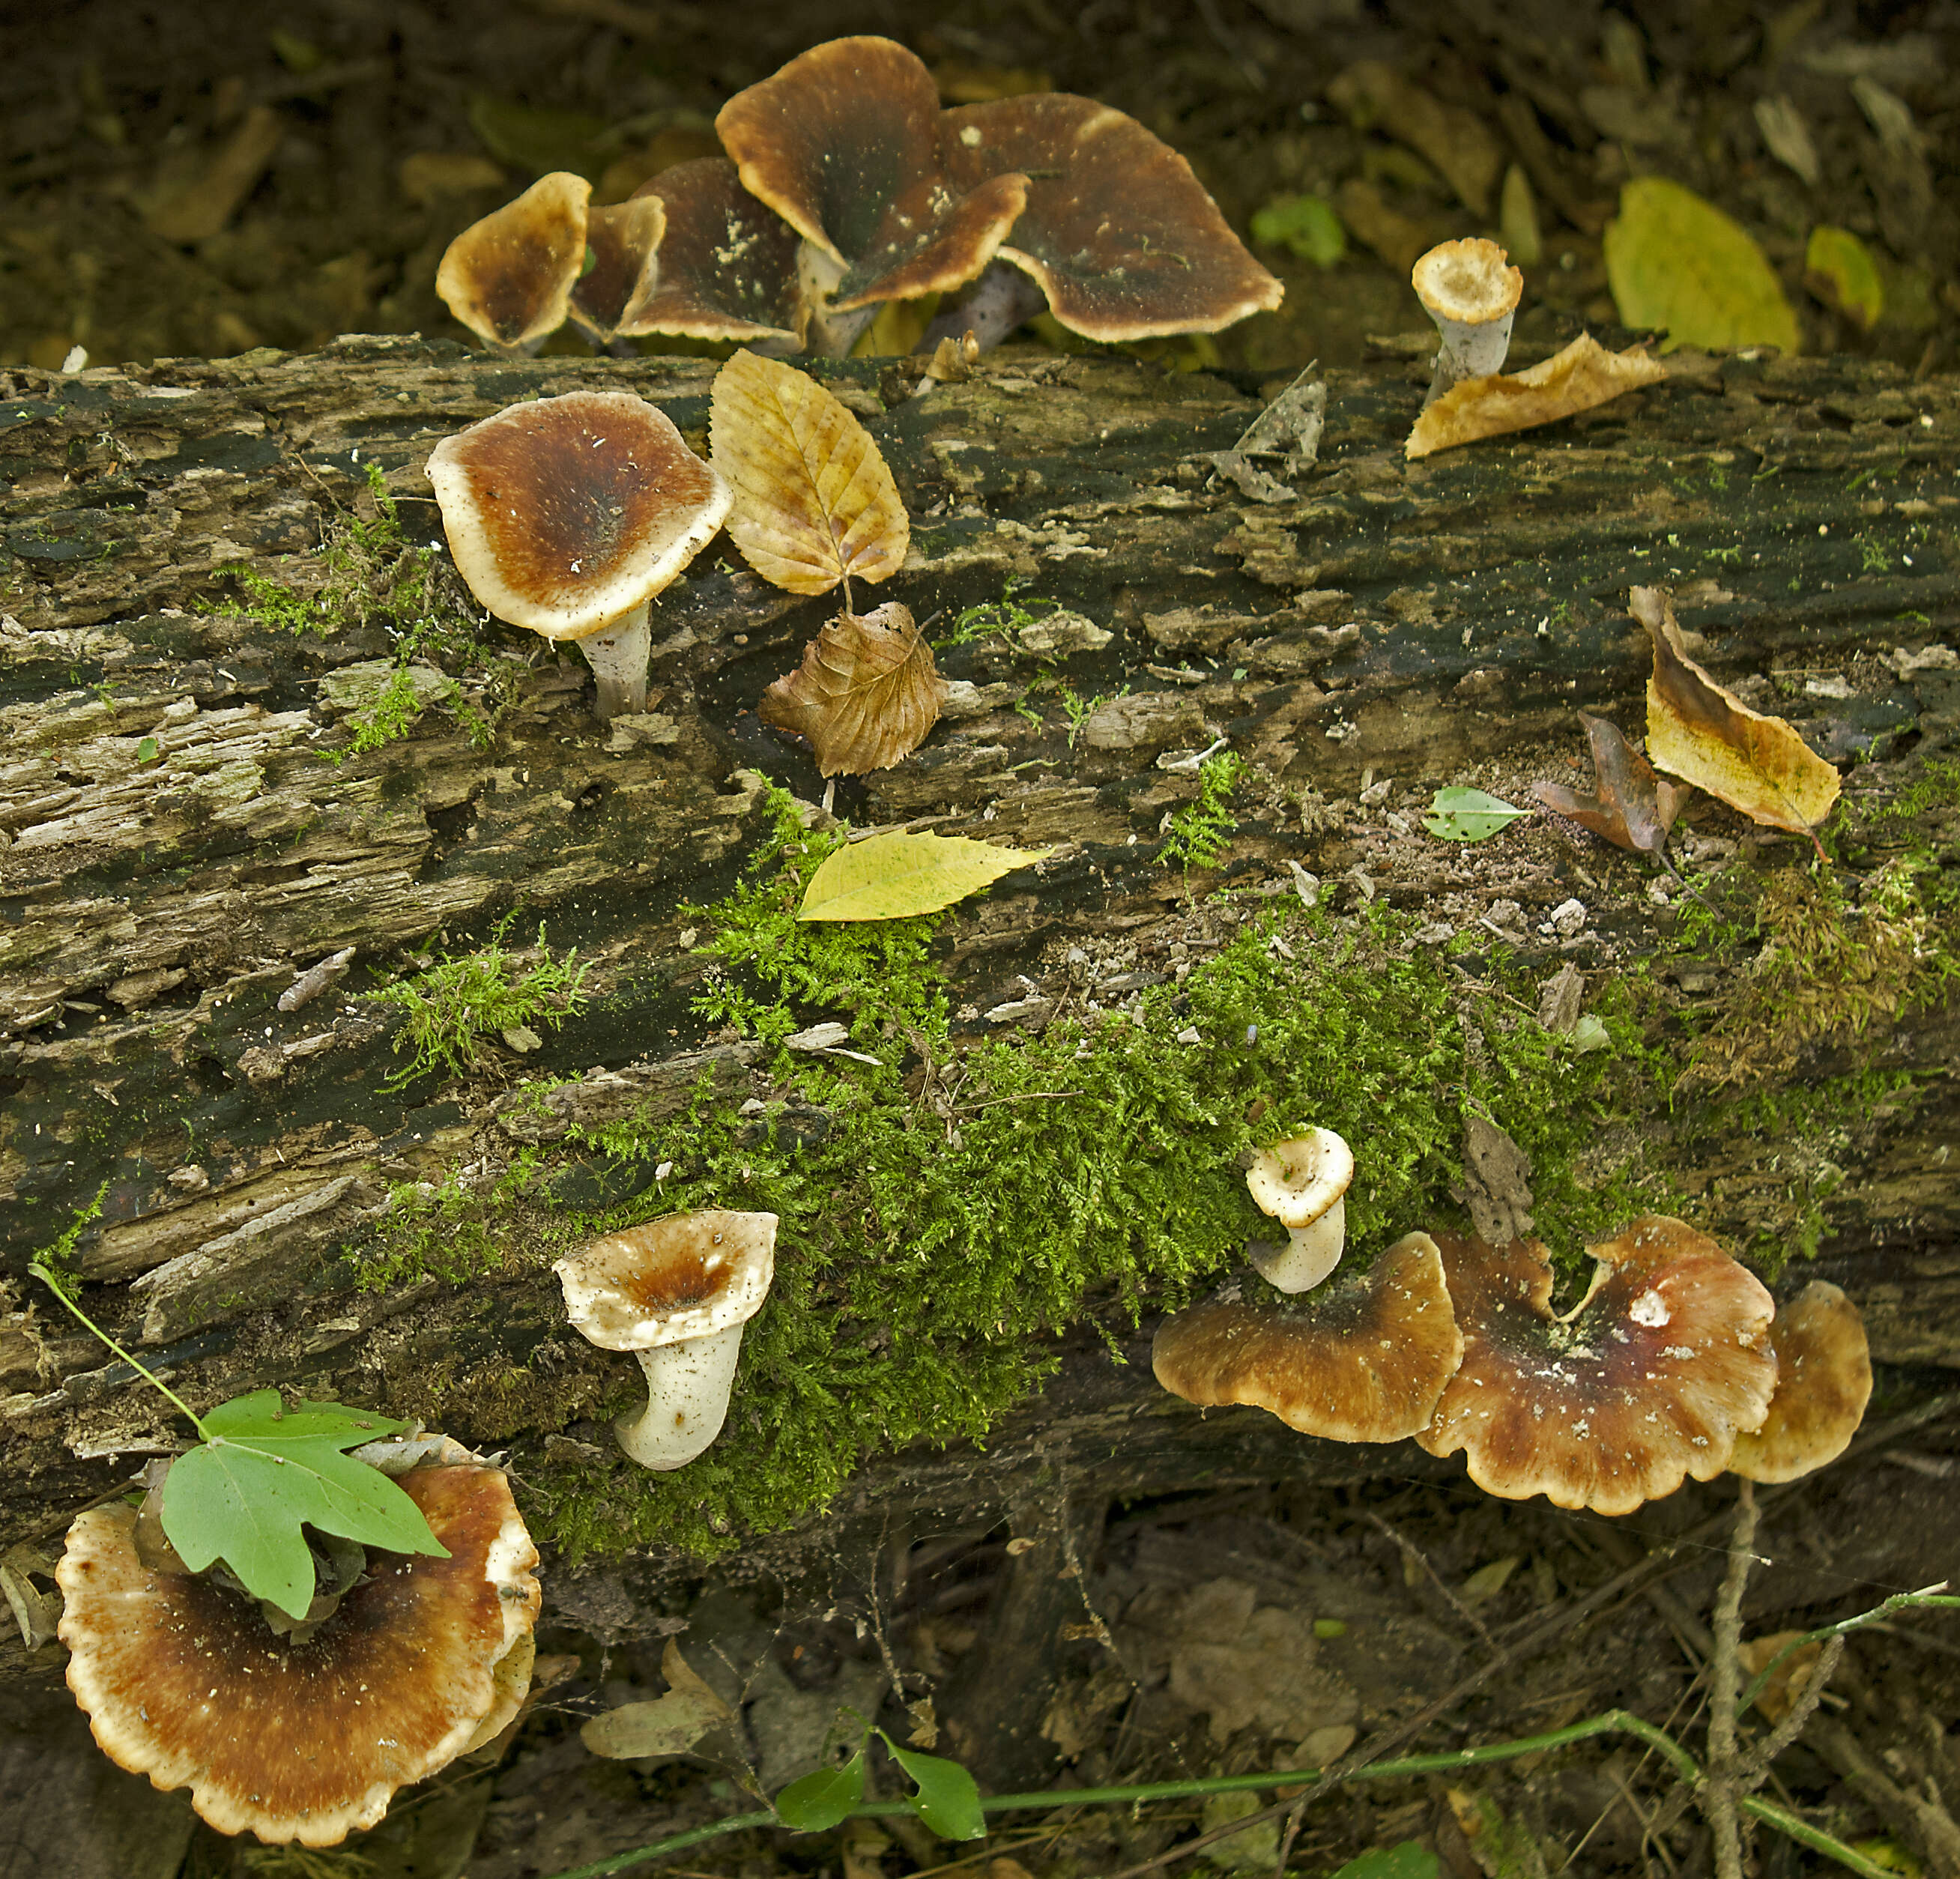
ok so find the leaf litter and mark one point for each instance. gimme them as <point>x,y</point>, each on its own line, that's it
<point>866,695</point>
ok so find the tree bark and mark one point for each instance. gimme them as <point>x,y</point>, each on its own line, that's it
<point>1395,621</point>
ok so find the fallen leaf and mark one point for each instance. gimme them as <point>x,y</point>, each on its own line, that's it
<point>1633,808</point>
<point>1460,814</point>
<point>668,1725</point>
<point>1309,225</point>
<point>866,694</point>
<point>1577,378</point>
<point>1676,263</point>
<point>1709,738</point>
<point>1839,269</point>
<point>895,875</point>
<point>815,504</point>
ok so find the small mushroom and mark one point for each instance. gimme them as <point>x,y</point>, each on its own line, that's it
<point>1648,1380</point>
<point>1303,1184</point>
<point>568,515</point>
<point>1824,1381</point>
<point>509,278</point>
<point>846,143</point>
<point>677,1293</point>
<point>1118,234</point>
<point>296,1739</point>
<point>1469,290</point>
<point>621,268</point>
<point>1364,1360</point>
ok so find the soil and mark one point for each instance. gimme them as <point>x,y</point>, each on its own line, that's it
<point>180,183</point>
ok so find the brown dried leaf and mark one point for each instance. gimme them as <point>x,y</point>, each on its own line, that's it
<point>1709,736</point>
<point>865,695</point>
<point>1633,808</point>
<point>814,502</point>
<point>1583,375</point>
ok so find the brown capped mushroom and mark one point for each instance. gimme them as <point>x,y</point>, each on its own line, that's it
<point>1648,1380</point>
<point>1302,1184</point>
<point>727,266</point>
<point>509,278</point>
<point>183,1681</point>
<point>844,143</point>
<point>568,515</point>
<point>1824,1381</point>
<point>1471,293</point>
<point>1118,232</point>
<point>622,266</point>
<point>677,1293</point>
<point>1364,1360</point>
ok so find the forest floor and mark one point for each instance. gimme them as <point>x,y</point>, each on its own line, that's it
<point>177,184</point>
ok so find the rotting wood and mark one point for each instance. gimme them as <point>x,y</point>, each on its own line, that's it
<point>1406,621</point>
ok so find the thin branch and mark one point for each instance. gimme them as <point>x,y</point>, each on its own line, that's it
<point>1718,1795</point>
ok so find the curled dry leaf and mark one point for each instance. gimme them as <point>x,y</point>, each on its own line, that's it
<point>1582,376</point>
<point>1708,736</point>
<point>815,504</point>
<point>1632,807</point>
<point>866,694</point>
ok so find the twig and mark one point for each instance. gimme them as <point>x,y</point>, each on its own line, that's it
<point>1719,1796</point>
<point>1755,1768</point>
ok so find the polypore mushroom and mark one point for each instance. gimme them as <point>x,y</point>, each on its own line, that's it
<point>303,1740</point>
<point>568,515</point>
<point>1471,293</point>
<point>1303,1184</point>
<point>846,144</point>
<point>509,278</point>
<point>1118,234</point>
<point>1648,1380</point>
<point>1824,1381</point>
<point>677,1293</point>
<point>1362,1360</point>
<point>622,267</point>
<point>727,266</point>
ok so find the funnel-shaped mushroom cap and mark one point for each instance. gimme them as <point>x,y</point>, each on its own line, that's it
<point>509,278</point>
<point>844,143</point>
<point>1648,1382</point>
<point>183,1682</point>
<point>623,243</point>
<point>727,263</point>
<point>1118,233</point>
<point>1362,1360</point>
<point>1467,282</point>
<point>1824,1381</point>
<point>565,514</point>
<point>684,1276</point>
<point>1297,1181</point>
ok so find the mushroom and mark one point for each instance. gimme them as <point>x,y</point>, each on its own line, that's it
<point>509,278</point>
<point>1363,1361</point>
<point>1648,1380</point>
<point>568,515</point>
<point>621,268</point>
<point>846,144</point>
<point>677,1293</point>
<point>1118,234</point>
<point>304,1741</point>
<point>1471,293</point>
<point>1824,1381</point>
<point>1303,1184</point>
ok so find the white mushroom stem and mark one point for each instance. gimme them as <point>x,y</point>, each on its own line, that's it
<point>1471,293</point>
<point>1308,1255</point>
<point>1467,350</point>
<point>688,1385</point>
<point>1002,298</point>
<point>618,657</point>
<point>831,336</point>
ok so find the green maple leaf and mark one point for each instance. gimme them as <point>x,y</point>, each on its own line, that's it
<point>264,1470</point>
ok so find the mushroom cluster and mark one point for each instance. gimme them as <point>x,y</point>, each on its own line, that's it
<point>305,1735</point>
<point>1674,1365</point>
<point>846,186</point>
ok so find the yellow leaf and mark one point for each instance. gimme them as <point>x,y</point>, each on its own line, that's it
<point>1677,262</point>
<point>1839,269</point>
<point>1583,375</point>
<point>866,694</point>
<point>894,876</point>
<point>1709,737</point>
<point>814,502</point>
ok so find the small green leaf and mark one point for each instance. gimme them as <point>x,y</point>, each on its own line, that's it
<point>1589,1034</point>
<point>1408,1861</point>
<point>1839,269</point>
<point>1307,224</point>
<point>821,1800</point>
<point>1459,814</point>
<point>1676,263</point>
<point>243,1494</point>
<point>948,1800</point>
<point>1325,1628</point>
<point>149,751</point>
<point>895,875</point>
